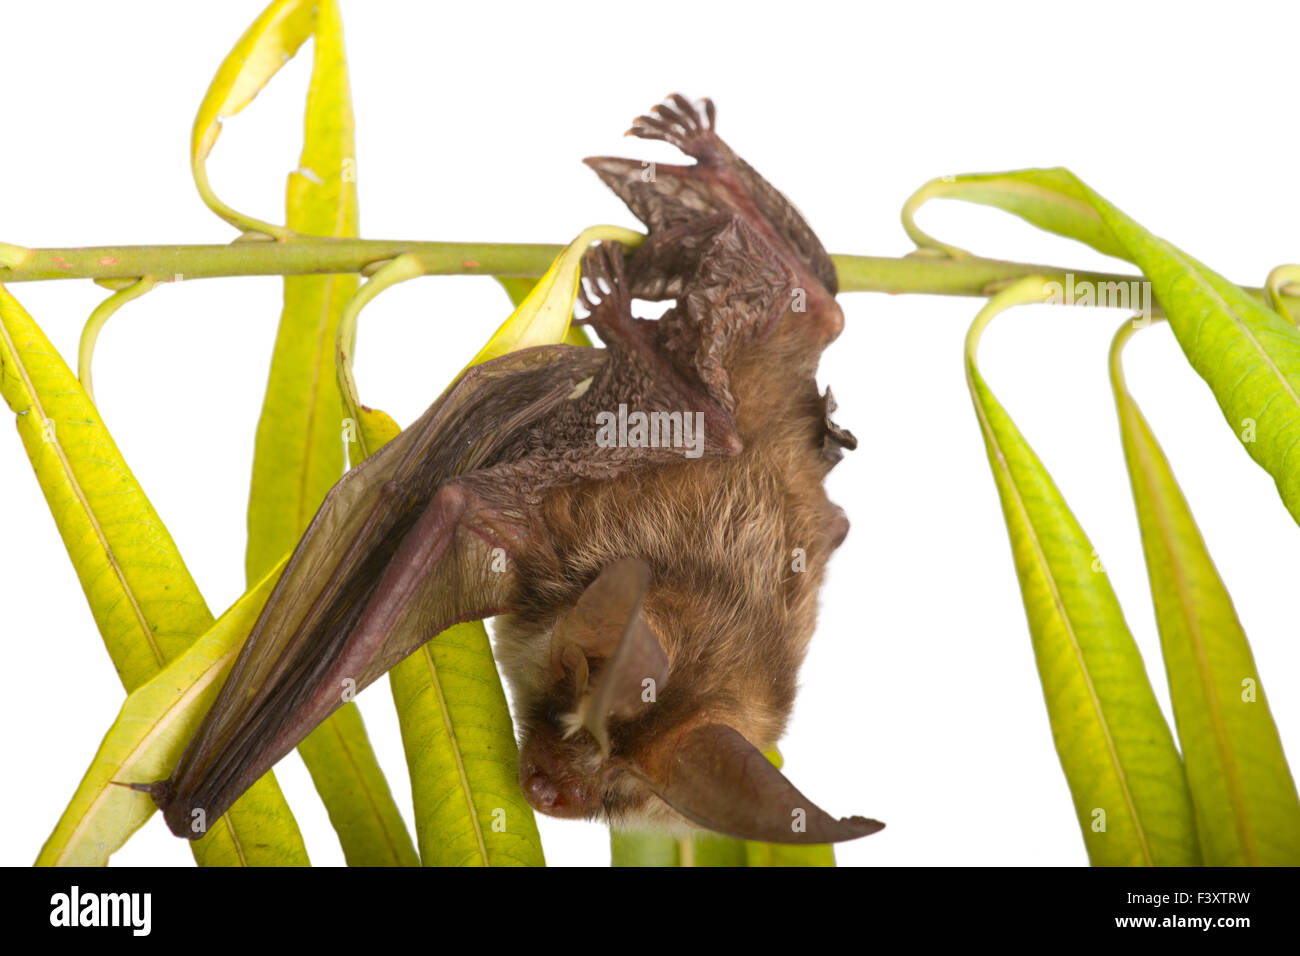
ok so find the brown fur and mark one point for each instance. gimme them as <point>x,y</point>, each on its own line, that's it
<point>732,614</point>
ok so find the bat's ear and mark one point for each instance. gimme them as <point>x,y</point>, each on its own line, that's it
<point>607,632</point>
<point>715,777</point>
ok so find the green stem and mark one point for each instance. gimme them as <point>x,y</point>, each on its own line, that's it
<point>118,266</point>
<point>300,256</point>
<point>103,312</point>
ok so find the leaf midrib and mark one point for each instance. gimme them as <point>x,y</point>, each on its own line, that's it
<point>366,790</point>
<point>75,485</point>
<point>462,774</point>
<point>1194,634</point>
<point>991,437</point>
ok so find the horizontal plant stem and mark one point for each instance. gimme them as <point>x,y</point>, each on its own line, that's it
<point>311,255</point>
<point>298,256</point>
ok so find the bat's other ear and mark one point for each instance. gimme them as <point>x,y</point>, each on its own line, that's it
<point>607,628</point>
<point>716,778</point>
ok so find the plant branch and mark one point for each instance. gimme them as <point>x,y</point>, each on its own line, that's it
<point>121,266</point>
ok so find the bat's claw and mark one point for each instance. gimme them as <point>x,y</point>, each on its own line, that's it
<point>679,121</point>
<point>603,290</point>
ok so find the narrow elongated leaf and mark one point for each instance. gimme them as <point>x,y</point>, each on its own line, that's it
<point>644,848</point>
<point>1125,775</point>
<point>542,315</point>
<point>713,849</point>
<point>1247,809</point>
<point>299,453</point>
<point>1051,199</point>
<point>647,848</point>
<point>518,288</point>
<point>269,43</point>
<point>299,450</point>
<point>144,601</point>
<point>461,751</point>
<point>144,742</point>
<point>1245,351</point>
<point>348,777</point>
<point>789,854</point>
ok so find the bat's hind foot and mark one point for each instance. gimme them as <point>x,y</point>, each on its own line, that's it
<point>604,292</point>
<point>680,122</point>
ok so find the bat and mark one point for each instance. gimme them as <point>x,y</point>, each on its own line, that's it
<point>659,507</point>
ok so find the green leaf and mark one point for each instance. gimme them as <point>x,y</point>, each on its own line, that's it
<point>543,314</point>
<point>460,748</point>
<point>350,781</point>
<point>644,848</point>
<point>1114,744</point>
<point>299,450</point>
<point>518,289</point>
<point>1247,809</point>
<point>366,429</point>
<point>146,605</point>
<point>714,849</point>
<point>145,741</point>
<point>269,43</point>
<point>1245,351</point>
<point>1051,199</point>
<point>789,854</point>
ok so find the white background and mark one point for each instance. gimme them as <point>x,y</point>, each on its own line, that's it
<point>921,704</point>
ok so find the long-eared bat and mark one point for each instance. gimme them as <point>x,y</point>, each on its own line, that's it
<point>659,504</point>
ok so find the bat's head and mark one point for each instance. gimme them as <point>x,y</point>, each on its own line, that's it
<point>606,737</point>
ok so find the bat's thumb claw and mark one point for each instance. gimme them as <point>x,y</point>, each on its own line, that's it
<point>160,790</point>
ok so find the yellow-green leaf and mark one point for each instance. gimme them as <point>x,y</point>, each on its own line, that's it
<point>268,44</point>
<point>543,315</point>
<point>349,779</point>
<point>151,730</point>
<point>146,605</point>
<point>1247,353</point>
<point>1052,199</point>
<point>518,288</point>
<point>644,848</point>
<point>299,449</point>
<point>1126,777</point>
<point>299,452</point>
<point>1247,809</point>
<point>460,748</point>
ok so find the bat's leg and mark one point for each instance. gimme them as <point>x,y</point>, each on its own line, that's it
<point>603,292</point>
<point>665,196</point>
<point>667,261</point>
<point>667,377</point>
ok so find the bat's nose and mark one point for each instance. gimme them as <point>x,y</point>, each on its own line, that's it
<point>541,792</point>
<point>556,795</point>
